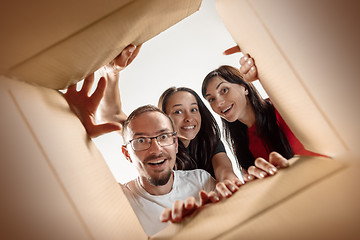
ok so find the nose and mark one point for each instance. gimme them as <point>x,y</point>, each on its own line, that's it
<point>187,117</point>
<point>155,146</point>
<point>220,101</point>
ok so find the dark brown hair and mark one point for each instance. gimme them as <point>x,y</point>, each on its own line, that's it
<point>201,149</point>
<point>265,119</point>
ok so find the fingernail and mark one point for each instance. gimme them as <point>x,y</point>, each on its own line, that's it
<point>245,58</point>
<point>262,175</point>
<point>249,62</point>
<point>252,68</point>
<point>132,48</point>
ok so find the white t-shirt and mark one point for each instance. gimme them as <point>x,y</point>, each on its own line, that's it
<point>148,208</point>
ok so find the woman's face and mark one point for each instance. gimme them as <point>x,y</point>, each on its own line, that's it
<point>227,99</point>
<point>183,109</point>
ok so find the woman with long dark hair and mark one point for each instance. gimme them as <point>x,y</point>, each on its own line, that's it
<point>252,126</point>
<point>198,133</point>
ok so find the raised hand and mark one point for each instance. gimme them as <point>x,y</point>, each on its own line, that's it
<point>248,68</point>
<point>85,106</point>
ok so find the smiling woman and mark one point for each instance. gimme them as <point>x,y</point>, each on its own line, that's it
<point>160,63</point>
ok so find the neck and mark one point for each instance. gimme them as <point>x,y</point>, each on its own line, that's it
<point>156,190</point>
<point>185,142</point>
<point>249,117</point>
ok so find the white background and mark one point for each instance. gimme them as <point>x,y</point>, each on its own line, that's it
<point>180,56</point>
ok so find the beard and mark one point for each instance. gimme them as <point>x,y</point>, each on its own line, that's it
<point>161,180</point>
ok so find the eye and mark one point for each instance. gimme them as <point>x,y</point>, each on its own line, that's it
<point>211,99</point>
<point>139,140</point>
<point>194,110</point>
<point>178,112</point>
<point>224,90</point>
<point>163,137</point>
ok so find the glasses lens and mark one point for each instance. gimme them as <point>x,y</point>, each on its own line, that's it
<point>140,144</point>
<point>143,143</point>
<point>165,139</point>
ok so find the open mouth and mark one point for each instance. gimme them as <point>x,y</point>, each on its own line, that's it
<point>158,163</point>
<point>227,110</point>
<point>188,127</point>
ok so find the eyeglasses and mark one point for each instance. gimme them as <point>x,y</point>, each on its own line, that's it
<point>144,143</point>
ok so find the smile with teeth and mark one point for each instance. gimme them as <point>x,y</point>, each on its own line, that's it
<point>155,163</point>
<point>188,127</point>
<point>227,109</point>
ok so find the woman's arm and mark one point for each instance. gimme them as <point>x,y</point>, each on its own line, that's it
<point>228,182</point>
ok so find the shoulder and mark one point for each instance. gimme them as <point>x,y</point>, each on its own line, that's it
<point>196,176</point>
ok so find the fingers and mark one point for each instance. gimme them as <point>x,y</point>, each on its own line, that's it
<point>134,54</point>
<point>177,211</point>
<point>99,91</point>
<point>166,215</point>
<point>278,161</point>
<point>232,50</point>
<point>265,166</point>
<point>208,197</point>
<point>190,203</point>
<point>101,129</point>
<point>226,188</point>
<point>87,85</point>
<point>256,172</point>
<point>248,68</point>
<point>126,56</point>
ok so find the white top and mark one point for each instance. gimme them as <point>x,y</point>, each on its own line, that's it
<point>148,208</point>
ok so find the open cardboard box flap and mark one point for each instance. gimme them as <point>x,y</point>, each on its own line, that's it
<point>306,53</point>
<point>58,44</point>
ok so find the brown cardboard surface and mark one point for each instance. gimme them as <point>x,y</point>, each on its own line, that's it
<point>327,210</point>
<point>255,199</point>
<point>34,26</point>
<point>95,40</point>
<point>53,173</point>
<point>306,54</point>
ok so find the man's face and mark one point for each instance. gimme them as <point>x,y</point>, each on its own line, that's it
<point>154,164</point>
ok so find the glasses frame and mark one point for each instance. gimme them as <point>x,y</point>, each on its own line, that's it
<point>173,135</point>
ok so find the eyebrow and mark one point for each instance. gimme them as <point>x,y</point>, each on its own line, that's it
<point>156,133</point>
<point>217,87</point>
<point>178,105</point>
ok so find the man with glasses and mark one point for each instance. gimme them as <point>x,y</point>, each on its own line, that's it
<point>151,145</point>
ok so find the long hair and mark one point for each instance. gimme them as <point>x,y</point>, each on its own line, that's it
<point>201,149</point>
<point>236,133</point>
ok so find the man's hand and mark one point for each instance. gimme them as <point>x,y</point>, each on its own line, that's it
<point>85,106</point>
<point>248,68</point>
<point>182,209</point>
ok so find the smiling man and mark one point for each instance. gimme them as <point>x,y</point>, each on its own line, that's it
<point>151,145</point>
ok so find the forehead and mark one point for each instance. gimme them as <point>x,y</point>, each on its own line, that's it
<point>214,83</point>
<point>181,98</point>
<point>148,124</point>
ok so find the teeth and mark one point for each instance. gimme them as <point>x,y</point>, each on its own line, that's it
<point>224,111</point>
<point>157,162</point>
<point>189,127</point>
